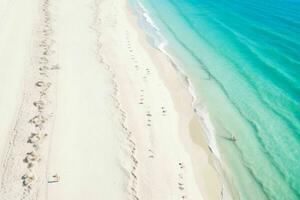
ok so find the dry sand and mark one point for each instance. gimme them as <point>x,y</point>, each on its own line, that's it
<point>84,96</point>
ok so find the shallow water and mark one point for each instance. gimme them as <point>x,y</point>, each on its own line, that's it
<point>243,60</point>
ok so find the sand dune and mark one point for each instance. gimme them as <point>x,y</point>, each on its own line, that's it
<point>92,111</point>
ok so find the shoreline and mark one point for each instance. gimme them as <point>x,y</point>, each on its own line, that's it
<point>197,135</point>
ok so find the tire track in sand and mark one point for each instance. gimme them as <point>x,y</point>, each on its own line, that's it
<point>25,163</point>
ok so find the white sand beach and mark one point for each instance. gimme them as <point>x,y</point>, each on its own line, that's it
<point>84,96</point>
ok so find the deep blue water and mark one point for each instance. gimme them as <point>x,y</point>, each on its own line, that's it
<point>243,59</point>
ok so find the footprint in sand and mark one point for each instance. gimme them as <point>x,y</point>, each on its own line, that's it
<point>151,153</point>
<point>34,138</point>
<point>181,186</point>
<point>38,120</point>
<point>28,179</point>
<point>148,71</point>
<point>40,105</point>
<point>148,115</point>
<point>141,97</point>
<point>40,84</point>
<point>164,111</point>
<point>32,157</point>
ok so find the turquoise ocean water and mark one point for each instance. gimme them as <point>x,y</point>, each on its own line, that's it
<point>242,59</point>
